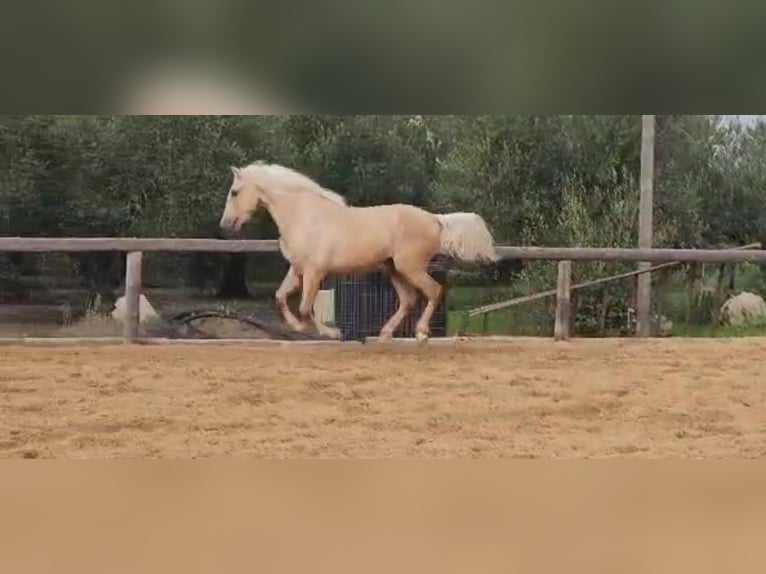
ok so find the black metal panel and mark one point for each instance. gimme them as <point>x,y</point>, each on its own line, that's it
<point>364,302</point>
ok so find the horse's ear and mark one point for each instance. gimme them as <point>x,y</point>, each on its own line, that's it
<point>235,171</point>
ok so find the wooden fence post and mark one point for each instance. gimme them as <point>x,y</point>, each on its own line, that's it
<point>645,227</point>
<point>563,301</point>
<point>132,295</point>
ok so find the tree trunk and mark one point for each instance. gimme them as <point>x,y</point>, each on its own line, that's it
<point>694,281</point>
<point>719,292</point>
<point>663,290</point>
<point>233,284</point>
<point>604,311</point>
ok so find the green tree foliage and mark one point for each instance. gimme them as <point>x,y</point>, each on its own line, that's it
<point>538,180</point>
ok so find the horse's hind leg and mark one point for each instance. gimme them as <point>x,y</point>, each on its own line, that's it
<point>432,291</point>
<point>407,296</point>
<point>290,284</point>
<point>311,281</point>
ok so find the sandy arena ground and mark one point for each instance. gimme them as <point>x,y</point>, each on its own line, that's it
<point>531,398</point>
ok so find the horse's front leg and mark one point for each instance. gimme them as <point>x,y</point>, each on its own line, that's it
<point>290,284</point>
<point>312,279</point>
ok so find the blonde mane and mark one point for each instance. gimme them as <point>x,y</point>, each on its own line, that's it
<point>292,180</point>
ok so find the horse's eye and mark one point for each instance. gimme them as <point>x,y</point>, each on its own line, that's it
<point>234,192</point>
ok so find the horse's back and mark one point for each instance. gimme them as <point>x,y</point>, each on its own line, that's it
<point>404,226</point>
<point>397,212</point>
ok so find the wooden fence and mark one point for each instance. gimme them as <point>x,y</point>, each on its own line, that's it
<point>564,289</point>
<point>135,247</point>
<point>125,245</point>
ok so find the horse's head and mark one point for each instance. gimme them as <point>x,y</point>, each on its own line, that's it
<point>242,202</point>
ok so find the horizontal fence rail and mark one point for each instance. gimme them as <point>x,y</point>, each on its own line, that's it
<point>128,244</point>
<point>624,254</point>
<point>135,247</point>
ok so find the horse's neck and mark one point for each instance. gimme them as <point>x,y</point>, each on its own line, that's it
<point>289,210</point>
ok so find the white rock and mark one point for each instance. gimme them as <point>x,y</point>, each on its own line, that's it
<point>743,308</point>
<point>146,312</point>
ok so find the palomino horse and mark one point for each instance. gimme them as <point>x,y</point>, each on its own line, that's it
<point>320,235</point>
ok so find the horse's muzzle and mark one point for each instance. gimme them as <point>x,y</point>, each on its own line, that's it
<point>230,225</point>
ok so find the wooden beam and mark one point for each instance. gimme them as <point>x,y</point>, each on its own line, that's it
<point>78,245</point>
<point>624,254</point>
<point>60,341</point>
<point>158,341</point>
<point>132,296</point>
<point>645,227</point>
<point>484,309</point>
<point>563,301</point>
<point>243,342</point>
<point>127,244</point>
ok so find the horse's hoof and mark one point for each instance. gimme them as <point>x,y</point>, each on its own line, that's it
<point>385,338</point>
<point>334,334</point>
<point>299,327</point>
<point>421,337</point>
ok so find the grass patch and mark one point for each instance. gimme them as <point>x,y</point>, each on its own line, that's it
<point>527,319</point>
<point>497,323</point>
<point>725,331</point>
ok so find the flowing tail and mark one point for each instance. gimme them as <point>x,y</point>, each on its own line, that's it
<point>465,236</point>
